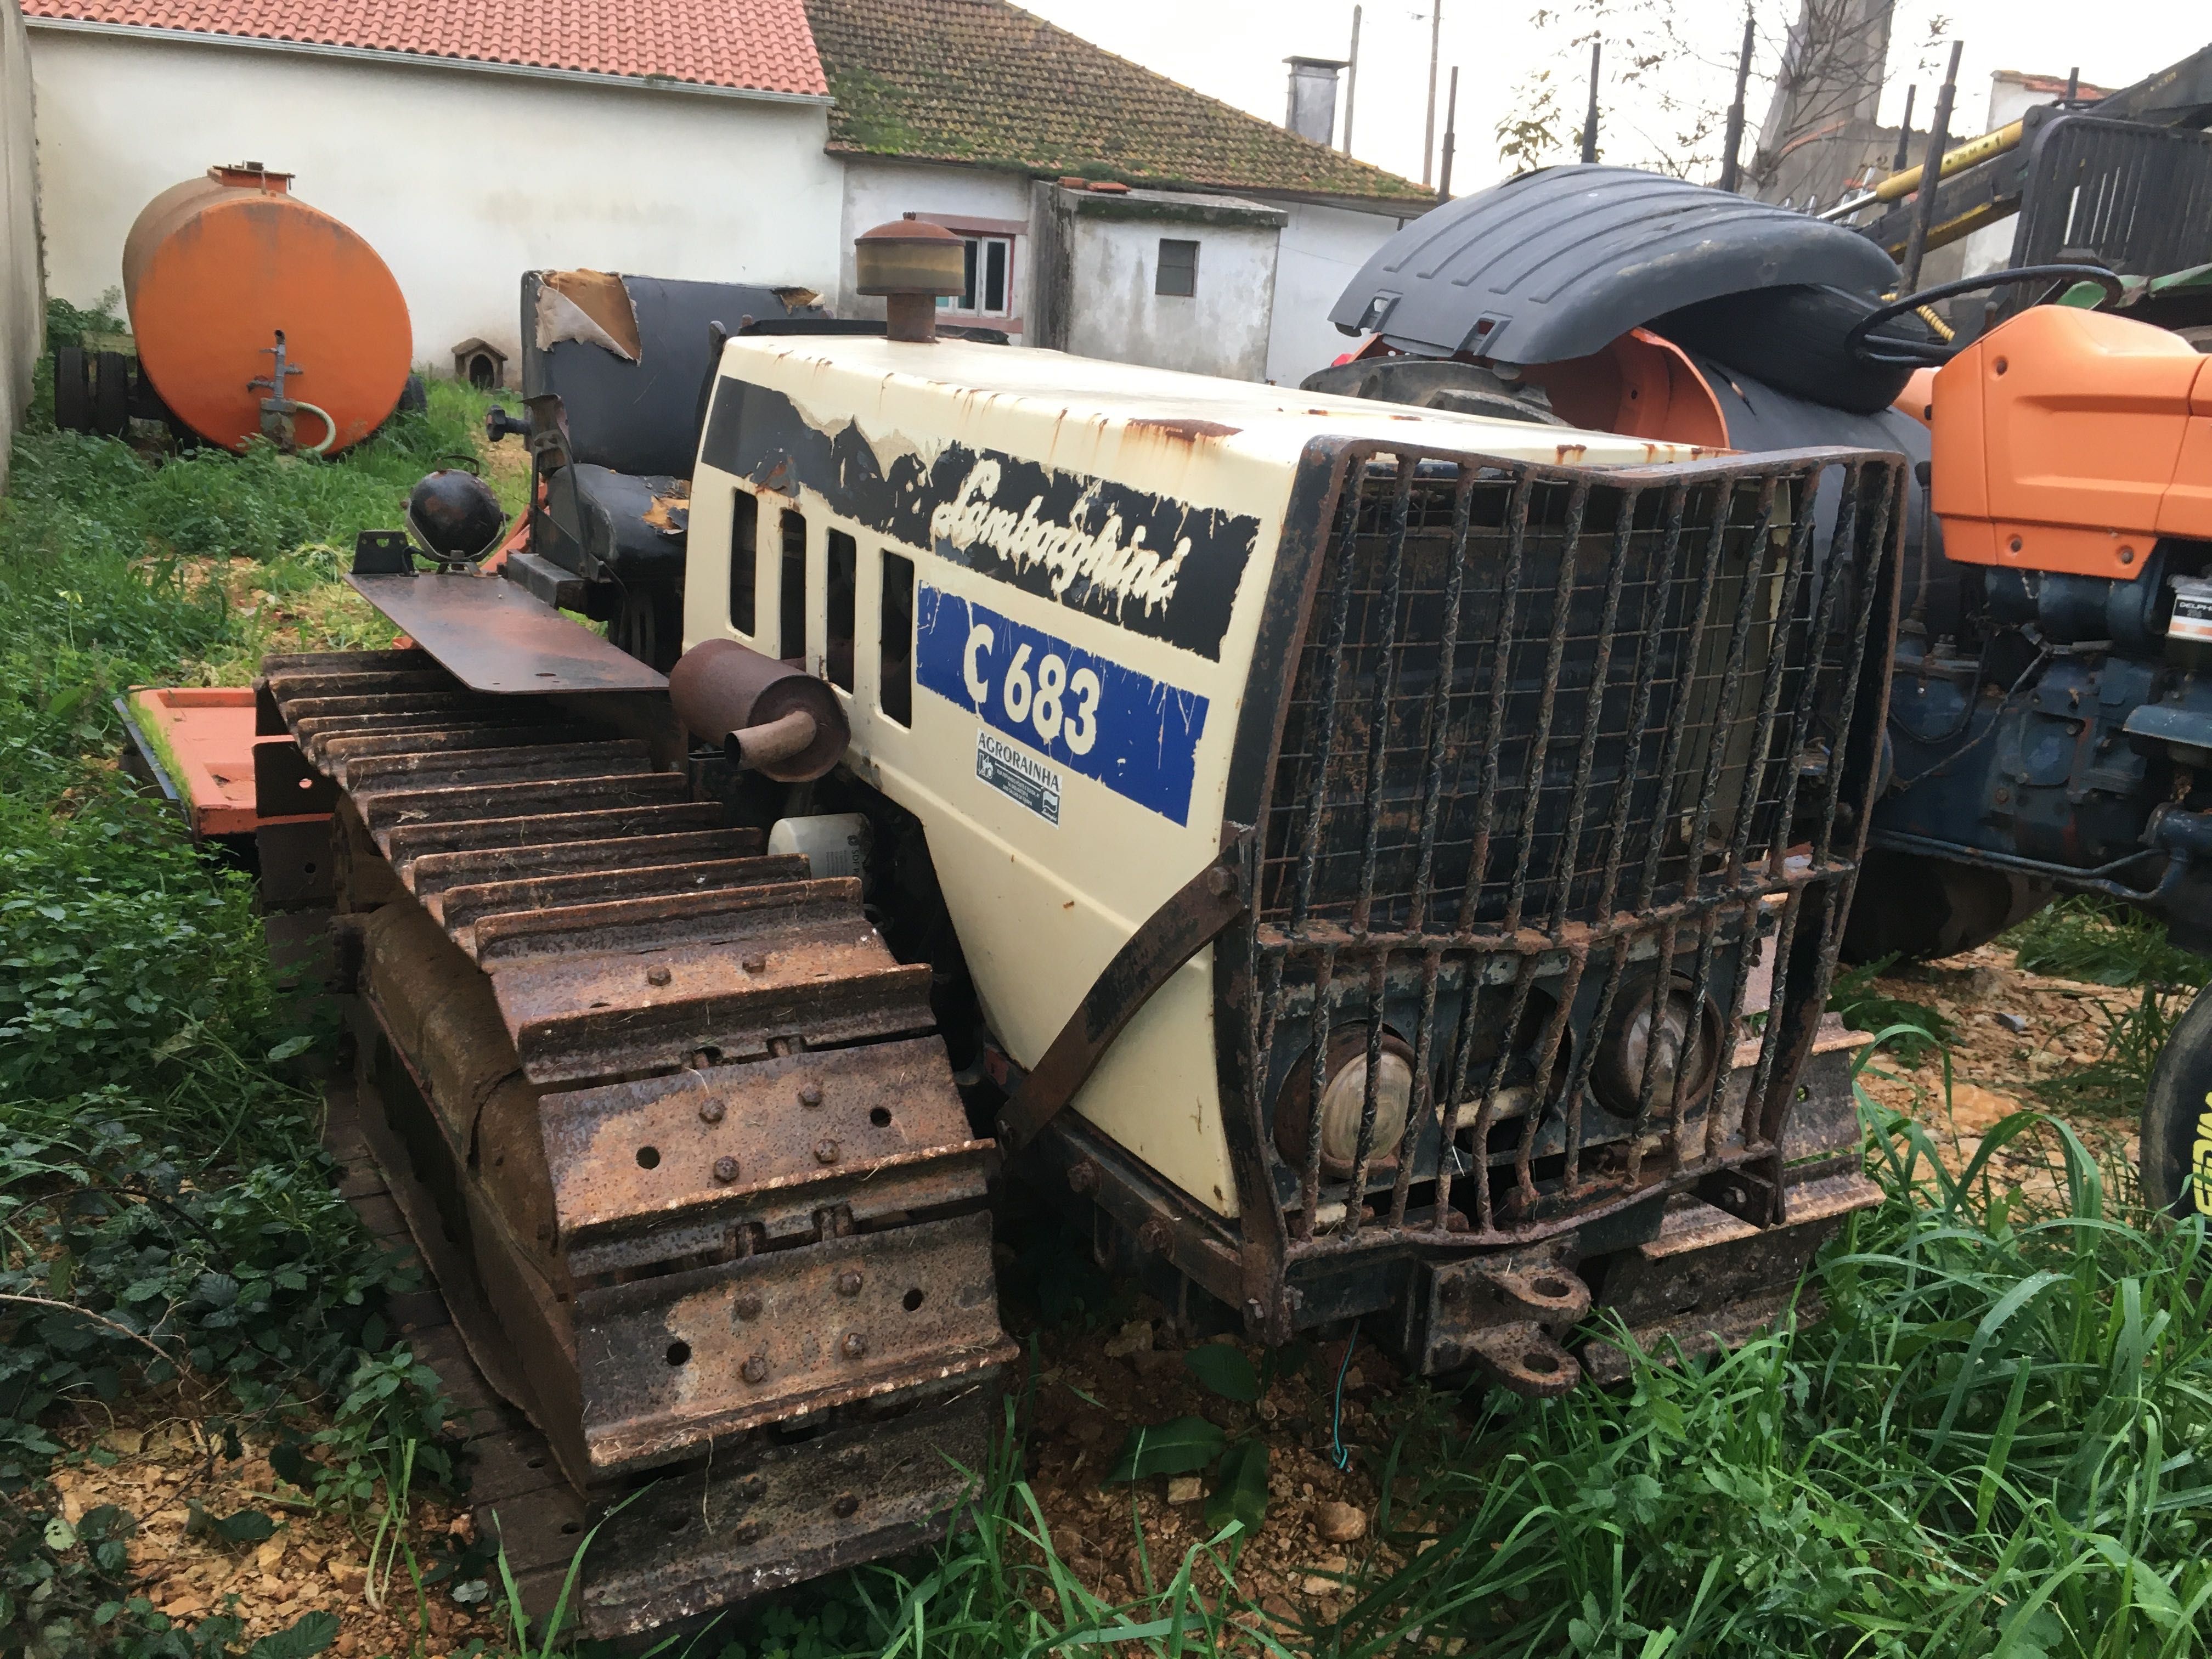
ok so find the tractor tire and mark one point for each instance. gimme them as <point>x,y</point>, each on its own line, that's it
<point>1792,339</point>
<point>72,389</point>
<point>2175,1151</point>
<point>1925,908</point>
<point>111,394</point>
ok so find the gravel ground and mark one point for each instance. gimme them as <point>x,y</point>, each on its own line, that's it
<point>2014,1030</point>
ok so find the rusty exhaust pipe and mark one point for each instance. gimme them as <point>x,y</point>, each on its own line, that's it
<point>769,717</point>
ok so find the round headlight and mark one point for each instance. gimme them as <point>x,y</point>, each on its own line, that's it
<point>1657,1011</point>
<point>1343,1098</point>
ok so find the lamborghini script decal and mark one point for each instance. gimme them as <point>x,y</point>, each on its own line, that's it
<point>1149,563</point>
<point>1132,733</point>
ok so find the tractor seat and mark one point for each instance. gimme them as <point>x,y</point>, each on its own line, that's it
<point>604,523</point>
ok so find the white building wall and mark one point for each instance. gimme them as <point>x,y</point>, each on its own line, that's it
<point>1321,250</point>
<point>22,303</point>
<point>1223,328</point>
<point>461,178</point>
<point>879,191</point>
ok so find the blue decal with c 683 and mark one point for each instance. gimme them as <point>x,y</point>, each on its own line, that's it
<point>1130,732</point>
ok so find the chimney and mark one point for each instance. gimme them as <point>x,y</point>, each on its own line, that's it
<point>1312,113</point>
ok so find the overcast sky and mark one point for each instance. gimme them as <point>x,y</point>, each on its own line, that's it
<point>1233,50</point>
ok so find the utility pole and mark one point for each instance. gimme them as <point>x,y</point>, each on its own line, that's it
<point>1931,173</point>
<point>1589,121</point>
<point>1451,135</point>
<point>1436,44</point>
<point>1728,169</point>
<point>1905,132</point>
<point>1350,79</point>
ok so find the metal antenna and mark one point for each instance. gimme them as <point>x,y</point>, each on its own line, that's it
<point>1451,133</point>
<point>1931,173</point>
<point>1350,79</point>
<point>1589,121</point>
<point>1429,132</point>
<point>1729,170</point>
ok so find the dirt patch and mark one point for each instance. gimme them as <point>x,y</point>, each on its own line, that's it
<point>1127,1538</point>
<point>156,1460</point>
<point>2015,1033</point>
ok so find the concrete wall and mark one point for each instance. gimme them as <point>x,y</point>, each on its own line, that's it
<point>22,299</point>
<point>461,178</point>
<point>1223,328</point>
<point>1321,250</point>
<point>1097,266</point>
<point>879,191</point>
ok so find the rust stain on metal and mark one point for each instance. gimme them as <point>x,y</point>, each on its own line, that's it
<point>669,512</point>
<point>1184,430</point>
<point>660,1357</point>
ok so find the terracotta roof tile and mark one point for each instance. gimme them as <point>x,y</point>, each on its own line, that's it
<point>757,44</point>
<point>982,82</point>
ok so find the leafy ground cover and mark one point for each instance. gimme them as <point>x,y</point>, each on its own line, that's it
<point>167,1225</point>
<point>1994,1443</point>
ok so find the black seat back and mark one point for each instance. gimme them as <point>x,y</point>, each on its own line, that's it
<point>642,418</point>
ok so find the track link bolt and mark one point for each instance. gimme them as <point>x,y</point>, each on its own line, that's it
<point>1083,1176</point>
<point>748,1305</point>
<point>855,1346</point>
<point>752,1488</point>
<point>810,1094</point>
<point>711,1111</point>
<point>1154,1236</point>
<point>657,974</point>
<point>850,1282</point>
<point>725,1168</point>
<point>753,963</point>
<point>825,1151</point>
<point>755,1369</point>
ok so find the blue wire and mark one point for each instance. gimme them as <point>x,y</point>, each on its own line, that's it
<point>1340,1457</point>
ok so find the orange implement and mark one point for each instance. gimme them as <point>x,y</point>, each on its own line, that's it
<point>2069,441</point>
<point>200,739</point>
<point>1640,386</point>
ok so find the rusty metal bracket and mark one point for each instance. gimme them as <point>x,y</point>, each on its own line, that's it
<point>1189,921</point>
<point>1524,1360</point>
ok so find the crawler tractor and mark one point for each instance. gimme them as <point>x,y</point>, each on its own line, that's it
<point>1379,871</point>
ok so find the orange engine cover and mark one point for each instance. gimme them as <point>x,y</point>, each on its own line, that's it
<point>2069,441</point>
<point>214,267</point>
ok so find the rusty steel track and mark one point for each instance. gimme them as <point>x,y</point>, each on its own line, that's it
<point>683,1119</point>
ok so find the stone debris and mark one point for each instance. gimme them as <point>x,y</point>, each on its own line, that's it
<point>1339,1524</point>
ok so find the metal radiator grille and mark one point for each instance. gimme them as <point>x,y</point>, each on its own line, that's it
<point>1548,728</point>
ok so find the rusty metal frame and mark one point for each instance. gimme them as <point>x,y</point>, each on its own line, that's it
<point>1802,906</point>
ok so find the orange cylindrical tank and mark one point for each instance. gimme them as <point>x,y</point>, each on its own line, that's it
<point>216,268</point>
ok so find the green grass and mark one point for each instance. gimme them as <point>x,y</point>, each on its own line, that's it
<point>2101,943</point>
<point>160,1164</point>
<point>1999,1442</point>
<point>1913,1030</point>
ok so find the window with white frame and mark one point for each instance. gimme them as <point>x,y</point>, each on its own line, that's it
<point>990,276</point>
